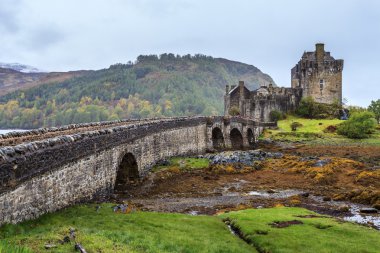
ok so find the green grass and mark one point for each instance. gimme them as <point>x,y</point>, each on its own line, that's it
<point>5,247</point>
<point>107,231</point>
<point>185,163</point>
<point>312,131</point>
<point>315,235</point>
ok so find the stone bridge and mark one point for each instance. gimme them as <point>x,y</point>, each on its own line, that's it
<point>47,169</point>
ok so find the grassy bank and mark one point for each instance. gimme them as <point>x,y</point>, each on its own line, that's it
<point>314,132</point>
<point>106,231</point>
<point>268,231</point>
<point>183,163</point>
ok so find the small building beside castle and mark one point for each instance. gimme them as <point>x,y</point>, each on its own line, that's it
<point>317,75</point>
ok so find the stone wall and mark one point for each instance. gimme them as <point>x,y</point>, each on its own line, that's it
<point>258,104</point>
<point>319,75</point>
<point>45,176</point>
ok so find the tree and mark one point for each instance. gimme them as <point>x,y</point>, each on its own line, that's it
<point>276,115</point>
<point>306,107</point>
<point>375,108</point>
<point>234,111</point>
<point>360,125</point>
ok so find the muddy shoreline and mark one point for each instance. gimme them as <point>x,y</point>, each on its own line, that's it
<point>275,182</point>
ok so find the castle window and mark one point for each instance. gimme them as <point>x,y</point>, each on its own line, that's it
<point>321,82</point>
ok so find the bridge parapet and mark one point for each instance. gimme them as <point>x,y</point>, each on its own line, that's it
<point>60,171</point>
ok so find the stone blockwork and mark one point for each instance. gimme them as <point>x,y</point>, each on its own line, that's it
<point>47,175</point>
<point>258,104</point>
<point>319,75</point>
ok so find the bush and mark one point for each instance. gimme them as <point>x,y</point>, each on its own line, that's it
<point>330,129</point>
<point>308,108</point>
<point>276,115</point>
<point>295,125</point>
<point>360,125</point>
<point>234,111</point>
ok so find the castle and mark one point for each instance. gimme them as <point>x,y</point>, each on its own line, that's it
<point>317,75</point>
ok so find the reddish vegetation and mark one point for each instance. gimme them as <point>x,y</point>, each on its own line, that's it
<point>339,178</point>
<point>370,155</point>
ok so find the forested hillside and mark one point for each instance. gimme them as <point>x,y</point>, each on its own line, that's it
<point>153,86</point>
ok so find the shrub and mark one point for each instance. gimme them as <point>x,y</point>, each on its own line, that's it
<point>295,125</point>
<point>375,108</point>
<point>360,125</point>
<point>276,115</point>
<point>308,108</point>
<point>330,129</point>
<point>234,111</point>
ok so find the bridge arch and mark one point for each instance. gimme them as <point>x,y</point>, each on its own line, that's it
<point>217,139</point>
<point>127,171</point>
<point>236,139</point>
<point>250,137</point>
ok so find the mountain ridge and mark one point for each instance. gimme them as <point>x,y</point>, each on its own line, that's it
<point>152,86</point>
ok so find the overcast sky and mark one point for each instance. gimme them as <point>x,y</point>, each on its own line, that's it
<point>65,35</point>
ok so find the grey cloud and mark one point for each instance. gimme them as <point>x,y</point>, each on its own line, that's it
<point>271,34</point>
<point>42,38</point>
<point>8,16</point>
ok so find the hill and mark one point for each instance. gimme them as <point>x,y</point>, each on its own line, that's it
<point>12,79</point>
<point>153,86</point>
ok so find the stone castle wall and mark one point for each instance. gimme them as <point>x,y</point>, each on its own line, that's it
<point>257,105</point>
<point>319,75</point>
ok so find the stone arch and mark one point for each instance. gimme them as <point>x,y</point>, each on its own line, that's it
<point>250,137</point>
<point>236,139</point>
<point>127,172</point>
<point>217,139</point>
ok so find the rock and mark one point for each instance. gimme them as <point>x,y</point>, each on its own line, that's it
<point>66,239</point>
<point>326,198</point>
<point>308,158</point>
<point>368,210</point>
<point>243,157</point>
<point>164,162</point>
<point>321,163</point>
<point>121,207</point>
<point>72,233</point>
<point>343,208</point>
<point>305,194</point>
<point>271,191</point>
<point>80,248</point>
<point>50,246</point>
<point>232,189</point>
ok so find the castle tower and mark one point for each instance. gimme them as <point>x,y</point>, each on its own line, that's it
<point>319,75</point>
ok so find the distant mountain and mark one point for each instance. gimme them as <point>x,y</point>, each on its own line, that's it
<point>20,67</point>
<point>153,86</point>
<point>12,80</point>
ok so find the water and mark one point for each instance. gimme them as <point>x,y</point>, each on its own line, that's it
<point>354,212</point>
<point>5,131</point>
<point>276,194</point>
